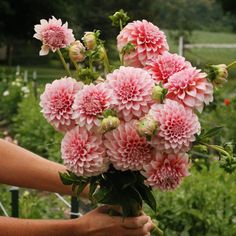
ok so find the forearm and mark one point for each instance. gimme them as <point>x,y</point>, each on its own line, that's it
<point>21,227</point>
<point>22,168</point>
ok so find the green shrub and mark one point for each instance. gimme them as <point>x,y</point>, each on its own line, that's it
<point>33,132</point>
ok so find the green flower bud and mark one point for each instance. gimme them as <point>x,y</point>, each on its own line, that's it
<point>218,74</point>
<point>146,126</point>
<point>109,123</point>
<point>158,93</point>
<point>119,18</point>
<point>101,52</point>
<point>99,80</point>
<point>90,40</point>
<point>77,51</point>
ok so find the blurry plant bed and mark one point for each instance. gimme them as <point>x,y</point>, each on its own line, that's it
<point>13,88</point>
<point>35,204</point>
<point>33,132</point>
<point>203,205</point>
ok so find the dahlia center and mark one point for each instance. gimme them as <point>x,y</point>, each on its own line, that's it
<point>127,92</point>
<point>135,152</point>
<point>176,127</point>
<point>61,103</point>
<point>54,36</point>
<point>93,105</point>
<point>78,149</point>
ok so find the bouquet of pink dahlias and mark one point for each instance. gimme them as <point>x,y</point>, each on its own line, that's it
<point>131,129</point>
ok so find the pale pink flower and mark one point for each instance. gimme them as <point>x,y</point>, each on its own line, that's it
<point>90,103</point>
<point>126,149</point>
<point>191,88</point>
<point>83,152</point>
<point>177,127</point>
<point>166,171</point>
<point>53,34</point>
<point>132,90</point>
<point>162,67</point>
<point>57,100</point>
<point>149,41</point>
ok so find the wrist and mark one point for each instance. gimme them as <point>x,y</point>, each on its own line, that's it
<point>77,227</point>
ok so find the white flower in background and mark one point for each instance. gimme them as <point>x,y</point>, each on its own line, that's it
<point>25,90</point>
<point>6,93</point>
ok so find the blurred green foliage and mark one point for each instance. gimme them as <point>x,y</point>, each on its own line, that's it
<point>33,132</point>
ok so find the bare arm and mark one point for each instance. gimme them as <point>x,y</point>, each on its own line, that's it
<point>22,168</point>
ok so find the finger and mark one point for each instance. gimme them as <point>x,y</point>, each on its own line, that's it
<point>148,227</point>
<point>135,222</point>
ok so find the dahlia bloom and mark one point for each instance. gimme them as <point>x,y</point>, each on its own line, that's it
<point>57,100</point>
<point>165,65</point>
<point>166,171</point>
<point>132,90</point>
<point>191,88</point>
<point>147,39</point>
<point>83,152</point>
<point>90,103</point>
<point>53,34</point>
<point>177,126</point>
<point>126,149</point>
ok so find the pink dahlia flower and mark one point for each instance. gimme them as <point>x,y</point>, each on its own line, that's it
<point>132,90</point>
<point>166,172</point>
<point>53,34</point>
<point>177,126</point>
<point>83,152</point>
<point>90,103</point>
<point>126,149</point>
<point>165,65</point>
<point>147,39</point>
<point>57,100</point>
<point>191,88</point>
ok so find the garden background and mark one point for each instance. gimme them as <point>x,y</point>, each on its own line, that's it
<point>205,203</point>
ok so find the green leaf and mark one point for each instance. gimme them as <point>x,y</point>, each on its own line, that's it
<point>131,201</point>
<point>81,187</point>
<point>147,196</point>
<point>210,133</point>
<point>66,178</point>
<point>105,196</point>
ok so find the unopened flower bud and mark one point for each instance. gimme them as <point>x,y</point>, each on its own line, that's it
<point>109,123</point>
<point>146,126</point>
<point>158,93</point>
<point>90,40</point>
<point>99,80</point>
<point>77,51</point>
<point>218,74</point>
<point>101,52</point>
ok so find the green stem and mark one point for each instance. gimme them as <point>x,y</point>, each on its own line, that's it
<point>122,59</point>
<point>90,64</point>
<point>121,25</point>
<point>231,64</point>
<point>216,148</point>
<point>77,67</point>
<point>63,62</point>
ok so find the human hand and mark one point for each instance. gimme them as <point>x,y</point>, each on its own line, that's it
<point>99,223</point>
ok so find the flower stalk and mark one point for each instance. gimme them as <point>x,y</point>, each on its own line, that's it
<point>64,63</point>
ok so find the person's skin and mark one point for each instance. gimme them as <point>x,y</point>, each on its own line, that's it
<point>20,167</point>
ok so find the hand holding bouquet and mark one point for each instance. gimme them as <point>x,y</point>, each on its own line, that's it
<point>131,129</point>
